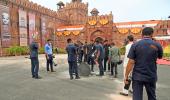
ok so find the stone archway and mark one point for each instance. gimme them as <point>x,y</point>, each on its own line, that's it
<point>99,38</point>
<point>97,34</point>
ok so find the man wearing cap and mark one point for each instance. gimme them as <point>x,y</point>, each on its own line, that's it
<point>142,59</point>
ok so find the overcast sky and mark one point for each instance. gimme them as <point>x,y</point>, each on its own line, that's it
<point>123,10</point>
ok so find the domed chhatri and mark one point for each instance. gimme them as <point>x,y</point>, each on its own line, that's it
<point>60,5</point>
<point>76,0</point>
<point>94,12</point>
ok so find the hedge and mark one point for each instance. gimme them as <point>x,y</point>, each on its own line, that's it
<point>17,50</point>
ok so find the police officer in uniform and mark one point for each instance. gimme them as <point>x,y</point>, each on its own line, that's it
<point>142,59</point>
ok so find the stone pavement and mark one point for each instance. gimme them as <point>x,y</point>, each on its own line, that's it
<point>16,82</point>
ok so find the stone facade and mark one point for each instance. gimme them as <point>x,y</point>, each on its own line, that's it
<point>71,20</point>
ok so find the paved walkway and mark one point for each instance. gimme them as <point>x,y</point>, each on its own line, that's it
<point>16,82</point>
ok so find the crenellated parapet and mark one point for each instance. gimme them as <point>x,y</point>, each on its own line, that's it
<point>26,4</point>
<point>100,19</point>
<point>74,5</point>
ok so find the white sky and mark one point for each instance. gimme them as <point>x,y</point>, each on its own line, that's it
<point>123,10</point>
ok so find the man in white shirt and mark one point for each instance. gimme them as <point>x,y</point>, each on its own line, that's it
<point>130,39</point>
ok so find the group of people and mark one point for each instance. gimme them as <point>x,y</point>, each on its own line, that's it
<point>48,49</point>
<point>139,62</point>
<point>96,52</point>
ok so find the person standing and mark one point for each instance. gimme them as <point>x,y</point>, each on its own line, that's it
<point>34,59</point>
<point>99,56</point>
<point>72,59</point>
<point>142,59</point>
<point>114,58</point>
<point>130,40</point>
<point>49,55</point>
<point>80,51</point>
<point>85,49</point>
<point>106,49</point>
<point>91,55</point>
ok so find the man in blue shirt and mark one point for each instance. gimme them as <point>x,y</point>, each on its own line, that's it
<point>72,59</point>
<point>100,56</point>
<point>142,59</point>
<point>49,55</point>
<point>34,59</point>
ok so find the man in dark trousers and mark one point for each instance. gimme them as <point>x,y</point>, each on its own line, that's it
<point>142,59</point>
<point>49,55</point>
<point>106,49</point>
<point>91,55</point>
<point>100,56</point>
<point>85,49</point>
<point>72,59</point>
<point>34,59</point>
<point>80,51</point>
<point>114,58</point>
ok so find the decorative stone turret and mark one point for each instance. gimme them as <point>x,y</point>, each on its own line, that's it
<point>76,0</point>
<point>94,12</point>
<point>76,12</point>
<point>60,5</point>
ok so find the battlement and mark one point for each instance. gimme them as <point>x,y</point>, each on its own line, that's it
<point>33,6</point>
<point>74,5</point>
<point>109,17</point>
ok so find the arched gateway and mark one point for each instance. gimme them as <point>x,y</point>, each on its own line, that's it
<point>98,35</point>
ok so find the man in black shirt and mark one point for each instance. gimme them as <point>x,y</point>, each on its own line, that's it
<point>106,49</point>
<point>142,59</point>
<point>91,55</point>
<point>85,49</point>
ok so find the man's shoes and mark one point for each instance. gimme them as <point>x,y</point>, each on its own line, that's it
<point>71,78</point>
<point>115,76</point>
<point>124,94</point>
<point>33,76</point>
<point>55,64</point>
<point>53,71</point>
<point>131,91</point>
<point>38,77</point>
<point>99,75</point>
<point>77,77</point>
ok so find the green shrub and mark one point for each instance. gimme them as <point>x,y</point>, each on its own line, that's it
<point>60,51</point>
<point>41,50</point>
<point>17,50</point>
<point>166,55</point>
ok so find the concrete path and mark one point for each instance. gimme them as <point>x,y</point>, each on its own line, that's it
<point>16,82</point>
